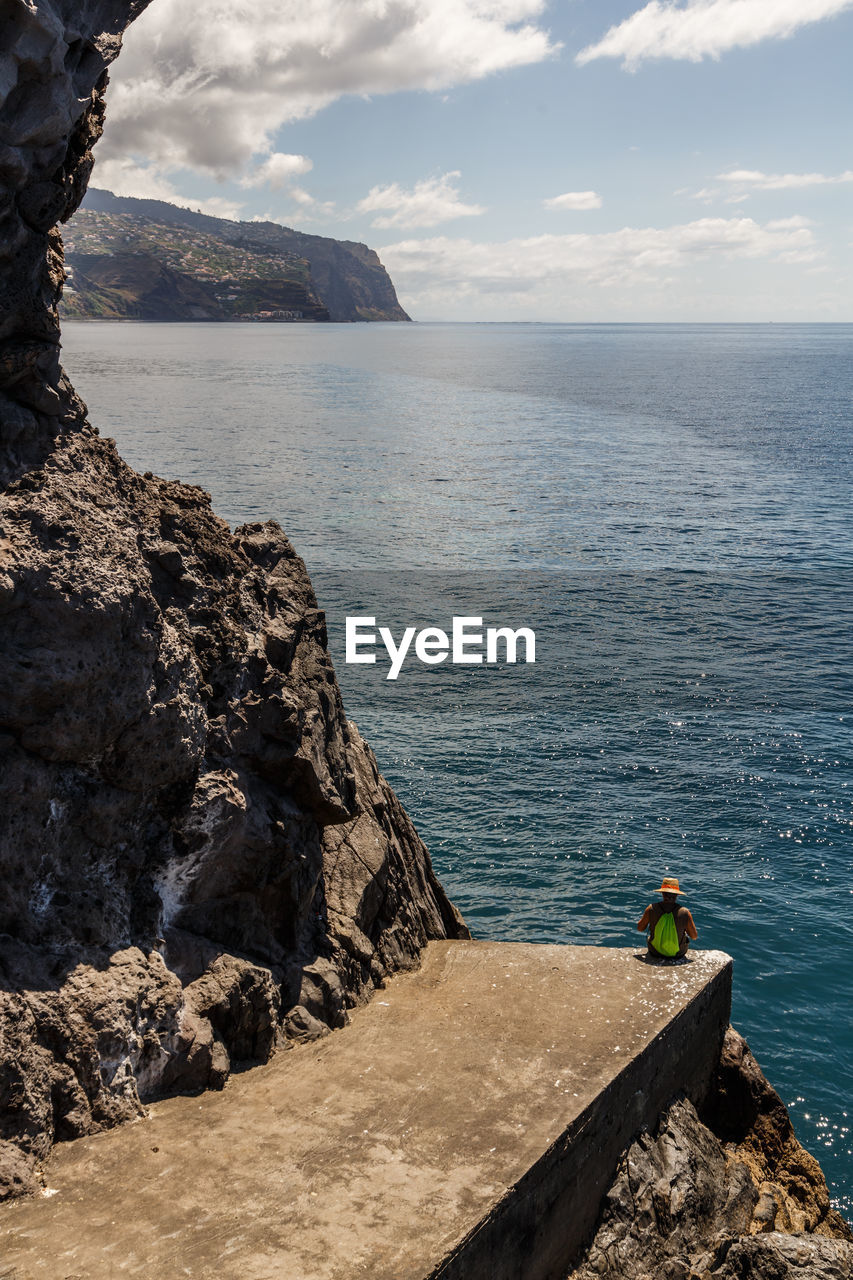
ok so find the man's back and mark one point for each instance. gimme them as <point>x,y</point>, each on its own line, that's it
<point>685,928</point>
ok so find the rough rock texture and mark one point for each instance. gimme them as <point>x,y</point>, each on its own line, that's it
<point>55,56</point>
<point>731,1198</point>
<point>747,1112</point>
<point>198,856</point>
<point>676,1194</point>
<point>781,1257</point>
<point>197,848</point>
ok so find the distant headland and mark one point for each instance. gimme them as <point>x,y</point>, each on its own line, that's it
<point>132,259</point>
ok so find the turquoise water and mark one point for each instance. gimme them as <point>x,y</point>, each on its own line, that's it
<point>668,507</point>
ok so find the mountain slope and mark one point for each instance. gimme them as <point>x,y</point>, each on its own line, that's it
<point>222,269</point>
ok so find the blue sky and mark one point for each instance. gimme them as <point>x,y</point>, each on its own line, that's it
<point>515,159</point>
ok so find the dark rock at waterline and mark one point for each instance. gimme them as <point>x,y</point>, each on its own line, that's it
<point>746,1112</point>
<point>675,1192</point>
<point>732,1197</point>
<point>785,1257</point>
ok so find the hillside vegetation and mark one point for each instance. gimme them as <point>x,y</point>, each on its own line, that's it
<point>148,260</point>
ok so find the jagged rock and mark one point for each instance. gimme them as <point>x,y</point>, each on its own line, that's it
<point>173,747</point>
<point>688,1203</point>
<point>55,59</point>
<point>746,1110</point>
<point>382,898</point>
<point>676,1193</point>
<point>177,766</point>
<point>784,1257</point>
<point>83,1040</point>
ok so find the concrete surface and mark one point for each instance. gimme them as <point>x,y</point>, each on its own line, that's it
<point>463,1127</point>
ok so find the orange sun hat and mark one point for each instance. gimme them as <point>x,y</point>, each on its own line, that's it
<point>669,884</point>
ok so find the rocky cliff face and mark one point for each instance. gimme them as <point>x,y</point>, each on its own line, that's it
<point>348,277</point>
<point>730,1196</point>
<point>55,59</point>
<point>199,857</point>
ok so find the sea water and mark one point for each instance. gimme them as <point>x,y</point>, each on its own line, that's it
<point>668,507</point>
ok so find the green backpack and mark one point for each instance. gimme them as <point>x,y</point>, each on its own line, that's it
<point>665,937</point>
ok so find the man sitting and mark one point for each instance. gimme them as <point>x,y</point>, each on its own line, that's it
<point>670,926</point>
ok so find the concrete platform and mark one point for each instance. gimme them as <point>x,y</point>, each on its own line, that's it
<point>463,1127</point>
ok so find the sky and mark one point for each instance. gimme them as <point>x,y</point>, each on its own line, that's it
<point>515,160</point>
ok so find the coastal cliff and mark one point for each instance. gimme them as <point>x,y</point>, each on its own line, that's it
<point>200,858</point>
<point>122,268</point>
<point>218,268</point>
<point>201,861</point>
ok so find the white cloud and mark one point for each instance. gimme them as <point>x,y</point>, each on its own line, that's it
<point>127,178</point>
<point>430,202</point>
<point>755,180</point>
<point>574,200</point>
<point>740,182</point>
<point>310,208</point>
<point>277,171</point>
<point>705,28</point>
<point>787,224</point>
<point>708,195</point>
<point>206,84</point>
<point>556,265</point>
